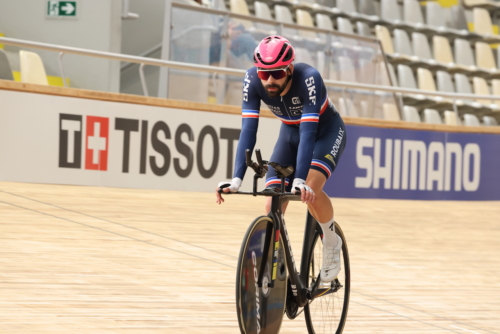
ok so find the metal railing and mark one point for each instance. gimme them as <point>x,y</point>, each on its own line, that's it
<point>256,19</point>
<point>223,70</point>
<point>328,40</point>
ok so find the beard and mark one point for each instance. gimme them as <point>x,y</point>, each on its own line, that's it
<point>279,89</point>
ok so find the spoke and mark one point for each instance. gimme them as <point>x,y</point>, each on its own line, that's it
<point>326,310</point>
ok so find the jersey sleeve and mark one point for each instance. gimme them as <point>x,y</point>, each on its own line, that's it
<point>312,94</point>
<point>249,122</point>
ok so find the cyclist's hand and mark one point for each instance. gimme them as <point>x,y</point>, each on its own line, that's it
<point>231,186</point>
<point>306,193</point>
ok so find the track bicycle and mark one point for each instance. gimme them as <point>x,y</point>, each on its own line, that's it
<point>264,291</point>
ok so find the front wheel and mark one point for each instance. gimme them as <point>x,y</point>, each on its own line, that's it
<point>327,313</point>
<point>260,310</point>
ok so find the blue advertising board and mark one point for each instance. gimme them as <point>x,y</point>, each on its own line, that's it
<point>415,164</point>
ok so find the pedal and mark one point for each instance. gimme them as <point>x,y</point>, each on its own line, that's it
<point>325,285</point>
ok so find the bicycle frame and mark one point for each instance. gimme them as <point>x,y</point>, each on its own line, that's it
<point>299,281</point>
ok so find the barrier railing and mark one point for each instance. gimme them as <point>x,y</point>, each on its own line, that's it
<point>209,36</point>
<point>454,97</point>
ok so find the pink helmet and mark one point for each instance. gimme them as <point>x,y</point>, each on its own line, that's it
<point>273,51</point>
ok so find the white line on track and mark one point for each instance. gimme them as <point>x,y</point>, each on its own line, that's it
<point>464,329</point>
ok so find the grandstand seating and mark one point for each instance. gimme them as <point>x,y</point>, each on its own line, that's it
<point>485,59</point>
<point>344,25</point>
<point>323,21</point>
<point>458,20</point>
<point>346,107</point>
<point>450,118</point>
<point>363,29</point>
<point>5,69</point>
<point>481,88</point>
<point>428,46</point>
<point>421,48</point>
<point>410,114</point>
<point>391,112</point>
<point>471,120</point>
<point>489,121</point>
<point>464,55</point>
<point>482,21</point>
<point>487,4</point>
<point>495,85</point>
<point>463,86</point>
<point>431,116</point>
<point>32,69</point>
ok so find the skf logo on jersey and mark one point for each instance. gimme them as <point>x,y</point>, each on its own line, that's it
<point>246,84</point>
<point>96,142</point>
<point>312,89</point>
<point>295,100</point>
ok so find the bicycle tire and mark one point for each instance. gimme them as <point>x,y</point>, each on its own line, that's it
<point>259,310</point>
<point>328,313</point>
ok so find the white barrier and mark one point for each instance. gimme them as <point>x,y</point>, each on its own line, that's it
<point>66,140</point>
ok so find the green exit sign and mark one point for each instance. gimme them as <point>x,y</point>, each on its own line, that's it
<point>61,8</point>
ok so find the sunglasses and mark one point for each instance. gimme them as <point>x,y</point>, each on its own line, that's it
<point>276,74</point>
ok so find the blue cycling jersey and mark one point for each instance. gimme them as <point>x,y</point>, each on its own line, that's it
<point>305,106</point>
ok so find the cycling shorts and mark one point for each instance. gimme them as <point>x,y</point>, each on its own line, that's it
<point>328,147</point>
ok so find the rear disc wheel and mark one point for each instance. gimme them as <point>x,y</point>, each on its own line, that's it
<point>260,310</point>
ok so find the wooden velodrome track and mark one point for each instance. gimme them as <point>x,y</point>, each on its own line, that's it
<point>104,260</point>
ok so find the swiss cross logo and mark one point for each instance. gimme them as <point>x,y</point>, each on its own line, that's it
<point>96,147</point>
<point>96,142</point>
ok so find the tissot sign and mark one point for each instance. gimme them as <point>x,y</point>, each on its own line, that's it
<point>61,140</point>
<point>407,164</point>
<point>155,134</point>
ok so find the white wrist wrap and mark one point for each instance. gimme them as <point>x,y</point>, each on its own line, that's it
<point>301,185</point>
<point>234,184</point>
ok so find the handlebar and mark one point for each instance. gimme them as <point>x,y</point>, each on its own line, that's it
<point>266,192</point>
<point>260,168</point>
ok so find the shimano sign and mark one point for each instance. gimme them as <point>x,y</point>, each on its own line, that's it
<point>409,164</point>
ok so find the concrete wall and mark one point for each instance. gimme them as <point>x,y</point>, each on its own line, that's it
<point>139,36</point>
<point>98,26</point>
<point>145,32</point>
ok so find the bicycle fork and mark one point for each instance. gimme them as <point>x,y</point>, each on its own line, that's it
<point>298,281</point>
<point>299,291</point>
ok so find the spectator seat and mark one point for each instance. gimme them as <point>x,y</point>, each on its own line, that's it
<point>471,120</point>
<point>32,69</point>
<point>431,116</point>
<point>5,69</point>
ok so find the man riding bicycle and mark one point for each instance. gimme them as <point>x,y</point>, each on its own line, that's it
<point>311,139</point>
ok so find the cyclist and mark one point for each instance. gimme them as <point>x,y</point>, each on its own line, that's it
<point>311,139</point>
